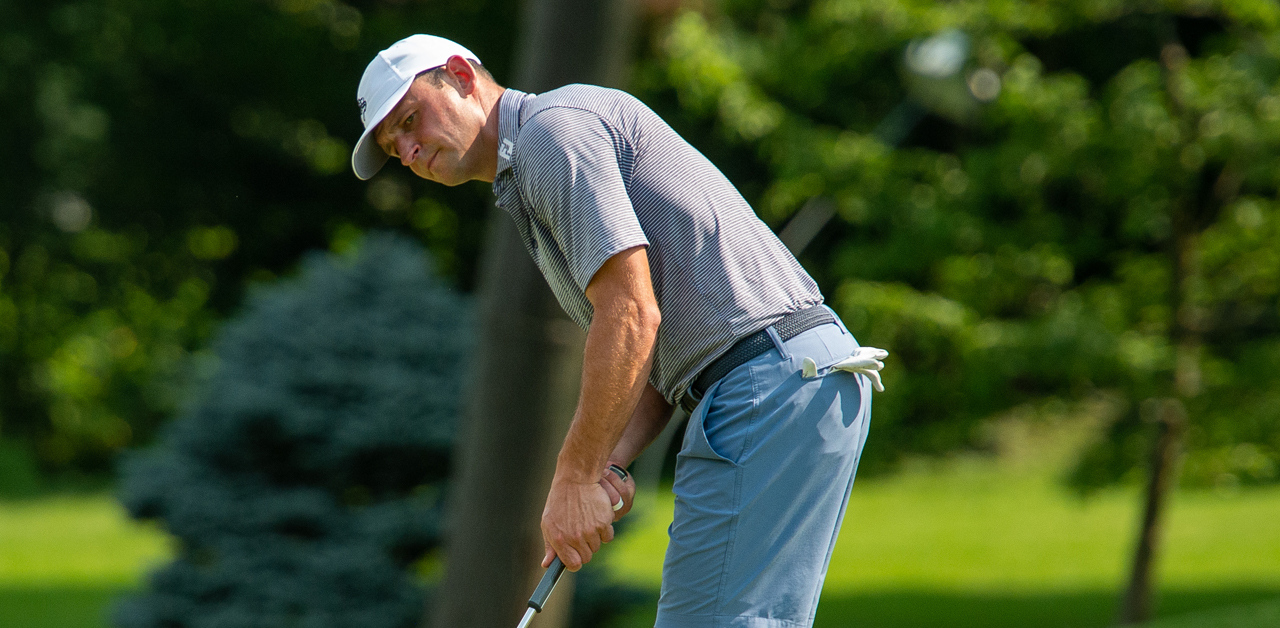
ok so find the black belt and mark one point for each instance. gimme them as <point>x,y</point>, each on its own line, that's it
<point>751,346</point>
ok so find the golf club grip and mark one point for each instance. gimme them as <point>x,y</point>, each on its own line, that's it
<point>548,583</point>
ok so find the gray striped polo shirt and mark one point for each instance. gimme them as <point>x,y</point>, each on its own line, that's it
<point>587,172</point>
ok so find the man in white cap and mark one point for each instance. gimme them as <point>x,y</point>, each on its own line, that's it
<point>687,298</point>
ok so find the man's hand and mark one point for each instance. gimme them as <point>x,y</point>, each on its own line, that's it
<point>619,490</point>
<point>576,521</point>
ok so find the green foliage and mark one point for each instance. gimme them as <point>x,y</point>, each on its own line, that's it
<point>1086,209</point>
<point>309,478</point>
<point>162,154</point>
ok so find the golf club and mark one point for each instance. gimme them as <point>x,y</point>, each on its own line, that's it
<point>540,594</point>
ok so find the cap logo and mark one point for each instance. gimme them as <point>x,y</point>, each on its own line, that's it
<point>363,104</point>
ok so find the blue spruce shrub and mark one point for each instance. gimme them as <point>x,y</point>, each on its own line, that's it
<point>308,478</point>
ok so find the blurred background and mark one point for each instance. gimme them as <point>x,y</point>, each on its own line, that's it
<point>237,384</point>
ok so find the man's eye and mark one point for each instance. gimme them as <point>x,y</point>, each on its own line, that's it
<point>409,120</point>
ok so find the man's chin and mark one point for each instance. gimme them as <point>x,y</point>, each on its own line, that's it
<point>423,173</point>
<point>443,178</point>
<point>448,179</point>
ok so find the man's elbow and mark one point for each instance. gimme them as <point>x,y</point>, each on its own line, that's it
<point>621,291</point>
<point>649,317</point>
<point>640,314</point>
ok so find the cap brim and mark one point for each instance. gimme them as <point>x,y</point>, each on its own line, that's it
<point>368,158</point>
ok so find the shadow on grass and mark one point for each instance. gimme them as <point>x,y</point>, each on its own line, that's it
<point>56,607</point>
<point>944,609</point>
<point>1048,610</point>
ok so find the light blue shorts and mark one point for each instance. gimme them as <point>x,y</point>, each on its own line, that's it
<point>761,486</point>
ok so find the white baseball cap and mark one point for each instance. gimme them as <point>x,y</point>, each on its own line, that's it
<point>385,82</point>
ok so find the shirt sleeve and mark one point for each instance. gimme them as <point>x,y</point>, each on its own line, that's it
<point>568,160</point>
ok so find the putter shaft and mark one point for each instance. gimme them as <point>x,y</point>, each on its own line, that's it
<point>528,617</point>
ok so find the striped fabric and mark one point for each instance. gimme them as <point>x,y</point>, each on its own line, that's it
<point>587,172</point>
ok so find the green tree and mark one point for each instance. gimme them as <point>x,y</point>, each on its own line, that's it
<point>1086,208</point>
<point>309,478</point>
<point>160,155</point>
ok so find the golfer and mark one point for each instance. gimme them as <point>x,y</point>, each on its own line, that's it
<point>687,298</point>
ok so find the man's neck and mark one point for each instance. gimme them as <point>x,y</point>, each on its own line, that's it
<point>489,134</point>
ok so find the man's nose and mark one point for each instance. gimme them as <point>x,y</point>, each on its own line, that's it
<point>408,151</point>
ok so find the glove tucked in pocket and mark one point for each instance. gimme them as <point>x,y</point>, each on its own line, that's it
<point>863,360</point>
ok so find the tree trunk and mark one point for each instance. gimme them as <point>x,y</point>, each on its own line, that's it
<point>1170,416</point>
<point>575,41</point>
<point>525,378</point>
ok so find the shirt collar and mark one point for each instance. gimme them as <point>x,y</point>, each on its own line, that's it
<point>509,106</point>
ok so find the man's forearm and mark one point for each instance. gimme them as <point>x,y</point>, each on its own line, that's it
<point>616,367</point>
<point>650,417</point>
<point>615,372</point>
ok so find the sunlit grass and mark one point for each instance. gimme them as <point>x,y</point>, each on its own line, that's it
<point>64,558</point>
<point>74,541</point>
<point>975,527</point>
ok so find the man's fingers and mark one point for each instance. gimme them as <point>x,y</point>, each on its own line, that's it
<point>571,559</point>
<point>615,495</point>
<point>621,493</point>
<point>550,555</point>
<point>574,553</point>
<point>567,549</point>
<point>587,546</point>
<point>612,480</point>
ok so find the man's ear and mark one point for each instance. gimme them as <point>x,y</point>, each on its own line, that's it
<point>463,74</point>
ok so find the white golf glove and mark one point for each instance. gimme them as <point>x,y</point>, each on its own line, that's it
<point>863,360</point>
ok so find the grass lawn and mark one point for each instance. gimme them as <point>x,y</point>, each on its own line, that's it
<point>964,544</point>
<point>62,560</point>
<point>980,543</point>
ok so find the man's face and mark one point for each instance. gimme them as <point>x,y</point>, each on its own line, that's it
<point>434,130</point>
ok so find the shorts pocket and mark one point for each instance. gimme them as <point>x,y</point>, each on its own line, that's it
<point>721,426</point>
<point>696,443</point>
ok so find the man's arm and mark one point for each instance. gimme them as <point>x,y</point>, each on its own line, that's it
<point>651,415</point>
<point>578,515</point>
